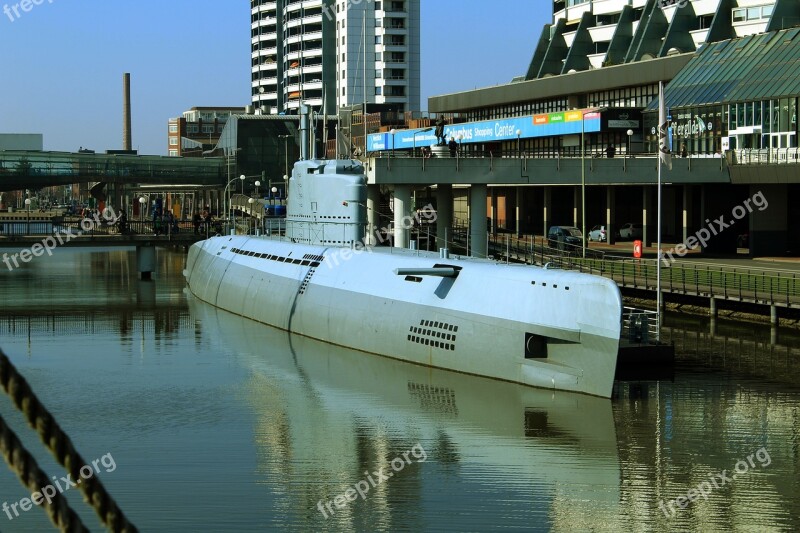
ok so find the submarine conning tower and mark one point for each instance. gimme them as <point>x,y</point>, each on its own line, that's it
<point>327,198</point>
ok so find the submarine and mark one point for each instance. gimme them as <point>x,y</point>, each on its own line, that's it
<point>320,279</point>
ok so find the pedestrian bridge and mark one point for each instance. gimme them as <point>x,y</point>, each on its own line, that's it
<point>32,170</point>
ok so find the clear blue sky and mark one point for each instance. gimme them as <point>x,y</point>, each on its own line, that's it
<point>62,62</point>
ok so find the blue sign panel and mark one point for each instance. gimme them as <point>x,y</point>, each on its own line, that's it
<point>566,123</point>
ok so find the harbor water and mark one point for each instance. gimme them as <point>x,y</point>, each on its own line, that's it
<point>199,420</point>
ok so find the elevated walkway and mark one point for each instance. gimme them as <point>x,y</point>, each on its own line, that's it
<point>492,170</point>
<point>32,170</point>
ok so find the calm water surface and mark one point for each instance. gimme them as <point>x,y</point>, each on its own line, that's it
<point>217,423</point>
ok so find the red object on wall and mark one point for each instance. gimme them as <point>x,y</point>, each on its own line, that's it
<point>637,249</point>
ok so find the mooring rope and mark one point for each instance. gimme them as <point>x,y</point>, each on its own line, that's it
<point>61,447</point>
<point>34,479</point>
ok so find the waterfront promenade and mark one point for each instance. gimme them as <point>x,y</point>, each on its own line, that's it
<point>762,284</point>
<point>18,231</point>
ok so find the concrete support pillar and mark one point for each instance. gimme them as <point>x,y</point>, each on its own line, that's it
<point>518,211</point>
<point>712,310</point>
<point>494,212</point>
<point>648,218</point>
<point>145,261</point>
<point>373,214</point>
<point>687,210</point>
<point>771,218</point>
<point>402,205</point>
<point>444,215</point>
<point>702,204</point>
<point>547,210</point>
<point>477,221</point>
<point>611,206</point>
<point>773,315</point>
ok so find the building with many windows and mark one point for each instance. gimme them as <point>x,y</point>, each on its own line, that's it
<point>197,130</point>
<point>583,118</point>
<point>335,54</point>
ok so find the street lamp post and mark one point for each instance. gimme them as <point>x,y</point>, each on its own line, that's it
<point>393,133</point>
<point>583,174</point>
<point>143,201</point>
<point>226,194</point>
<point>519,134</point>
<point>250,202</point>
<point>628,151</point>
<point>285,151</point>
<point>28,207</point>
<point>630,134</point>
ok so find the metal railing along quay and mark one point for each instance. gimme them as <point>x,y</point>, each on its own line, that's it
<point>83,228</point>
<point>780,288</point>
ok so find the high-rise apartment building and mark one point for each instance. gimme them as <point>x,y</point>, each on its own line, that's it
<point>337,53</point>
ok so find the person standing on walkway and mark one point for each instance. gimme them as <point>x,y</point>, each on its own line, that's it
<point>453,145</point>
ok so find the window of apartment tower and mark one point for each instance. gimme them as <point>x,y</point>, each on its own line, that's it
<point>173,128</point>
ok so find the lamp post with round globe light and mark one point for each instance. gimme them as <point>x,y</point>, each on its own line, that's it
<point>143,203</point>
<point>28,207</point>
<point>630,134</point>
<point>229,212</point>
<point>273,192</point>
<point>250,202</point>
<point>519,135</point>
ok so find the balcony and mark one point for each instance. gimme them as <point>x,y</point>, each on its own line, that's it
<point>699,36</point>
<point>395,47</point>
<point>603,33</point>
<point>312,36</point>
<point>268,6</point>
<point>395,31</point>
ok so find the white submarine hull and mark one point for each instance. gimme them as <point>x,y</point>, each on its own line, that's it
<point>544,328</point>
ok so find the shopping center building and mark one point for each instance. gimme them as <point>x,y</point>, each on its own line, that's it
<point>584,118</point>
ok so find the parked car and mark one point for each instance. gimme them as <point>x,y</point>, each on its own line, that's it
<point>631,231</point>
<point>569,235</point>
<point>598,234</point>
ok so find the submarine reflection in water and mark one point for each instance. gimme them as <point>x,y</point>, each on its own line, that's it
<point>327,416</point>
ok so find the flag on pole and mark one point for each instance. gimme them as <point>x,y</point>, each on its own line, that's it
<point>663,130</point>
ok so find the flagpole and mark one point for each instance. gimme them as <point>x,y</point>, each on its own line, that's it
<point>658,257</point>
<point>662,124</point>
